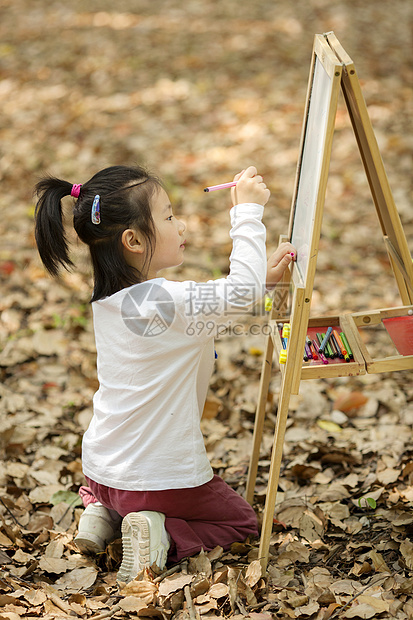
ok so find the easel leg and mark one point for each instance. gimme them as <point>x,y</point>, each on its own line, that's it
<point>259,419</point>
<point>275,467</point>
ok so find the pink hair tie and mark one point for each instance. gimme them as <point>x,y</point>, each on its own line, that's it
<point>75,191</point>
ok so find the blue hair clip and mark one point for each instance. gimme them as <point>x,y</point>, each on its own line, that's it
<point>96,210</point>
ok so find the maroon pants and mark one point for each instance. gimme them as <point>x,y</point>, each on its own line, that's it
<point>196,518</point>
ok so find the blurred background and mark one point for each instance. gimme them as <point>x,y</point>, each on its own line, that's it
<point>197,91</point>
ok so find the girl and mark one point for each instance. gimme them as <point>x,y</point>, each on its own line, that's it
<point>143,454</point>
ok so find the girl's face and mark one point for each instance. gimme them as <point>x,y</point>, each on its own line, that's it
<point>169,240</point>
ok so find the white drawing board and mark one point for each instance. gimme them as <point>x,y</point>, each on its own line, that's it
<point>331,71</point>
<point>316,141</point>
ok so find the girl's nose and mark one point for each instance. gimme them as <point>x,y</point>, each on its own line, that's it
<point>182,227</point>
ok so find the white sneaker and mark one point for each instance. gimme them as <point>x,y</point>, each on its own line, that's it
<point>98,526</point>
<point>145,541</point>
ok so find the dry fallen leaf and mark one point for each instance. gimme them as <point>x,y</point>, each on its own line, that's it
<point>218,590</point>
<point>77,579</point>
<point>406,549</point>
<point>378,562</point>
<point>144,589</point>
<point>173,583</point>
<point>350,401</point>
<point>53,565</point>
<point>253,573</point>
<point>200,564</point>
<point>294,551</point>
<point>361,610</point>
<point>132,603</point>
<point>388,476</point>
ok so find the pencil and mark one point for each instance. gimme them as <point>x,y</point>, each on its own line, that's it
<point>213,188</point>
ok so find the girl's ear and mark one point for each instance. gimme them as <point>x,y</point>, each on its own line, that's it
<point>132,241</point>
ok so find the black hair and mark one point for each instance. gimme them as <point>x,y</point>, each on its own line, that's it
<point>125,202</point>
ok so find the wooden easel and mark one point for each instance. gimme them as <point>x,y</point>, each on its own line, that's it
<point>331,70</point>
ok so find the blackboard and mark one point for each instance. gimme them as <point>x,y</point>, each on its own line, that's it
<point>313,163</point>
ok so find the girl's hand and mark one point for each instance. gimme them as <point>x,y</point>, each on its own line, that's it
<point>278,263</point>
<point>250,188</point>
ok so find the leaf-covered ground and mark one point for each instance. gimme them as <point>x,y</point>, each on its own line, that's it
<point>197,90</point>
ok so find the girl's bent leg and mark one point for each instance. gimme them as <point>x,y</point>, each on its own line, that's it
<point>87,496</point>
<point>196,518</point>
<point>215,515</point>
<point>98,525</point>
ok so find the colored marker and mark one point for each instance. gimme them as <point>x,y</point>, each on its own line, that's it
<point>326,339</point>
<point>283,357</point>
<point>320,338</point>
<point>286,330</point>
<point>213,188</point>
<point>305,356</point>
<point>283,352</point>
<point>346,344</point>
<point>340,343</point>
<point>310,346</point>
<point>284,333</point>
<point>320,353</point>
<point>341,346</point>
<point>307,353</point>
<point>335,346</point>
<point>329,349</point>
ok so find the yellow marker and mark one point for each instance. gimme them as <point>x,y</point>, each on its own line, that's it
<point>286,330</point>
<point>268,303</point>
<point>283,357</point>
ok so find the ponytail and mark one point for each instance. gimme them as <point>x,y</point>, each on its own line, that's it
<point>49,229</point>
<point>125,194</point>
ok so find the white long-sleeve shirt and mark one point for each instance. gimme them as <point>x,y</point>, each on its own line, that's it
<point>155,355</point>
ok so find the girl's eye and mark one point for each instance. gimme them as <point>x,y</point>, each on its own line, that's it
<point>169,218</point>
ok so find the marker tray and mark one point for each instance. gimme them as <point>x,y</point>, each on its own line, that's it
<point>336,367</point>
<point>385,338</point>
